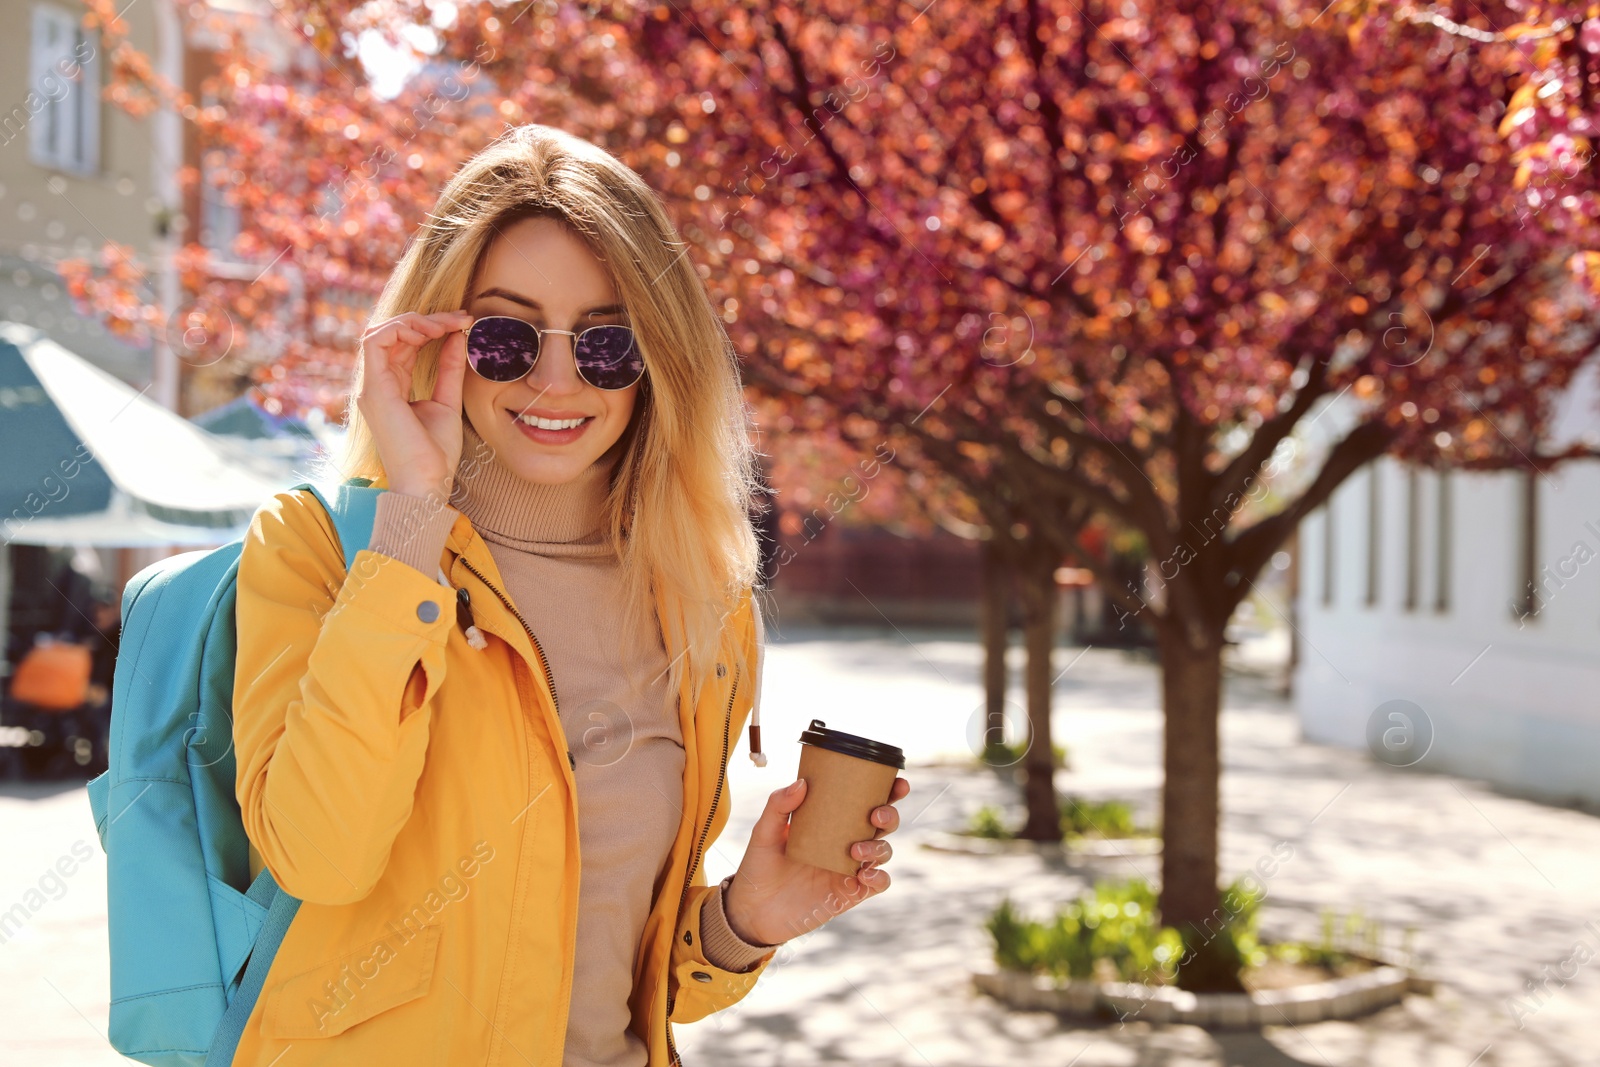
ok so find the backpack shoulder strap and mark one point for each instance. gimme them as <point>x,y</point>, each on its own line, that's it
<point>353,507</point>
<point>281,909</point>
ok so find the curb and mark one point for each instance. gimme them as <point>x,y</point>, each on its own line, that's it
<point>1339,998</point>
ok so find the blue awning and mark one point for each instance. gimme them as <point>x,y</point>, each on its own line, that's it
<point>87,459</point>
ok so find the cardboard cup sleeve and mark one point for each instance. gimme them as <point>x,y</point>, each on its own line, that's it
<point>841,791</point>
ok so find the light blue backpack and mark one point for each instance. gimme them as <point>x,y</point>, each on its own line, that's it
<point>191,935</point>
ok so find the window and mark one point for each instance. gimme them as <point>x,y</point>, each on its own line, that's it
<point>1329,547</point>
<point>1413,536</point>
<point>1374,490</point>
<point>64,92</point>
<point>1442,529</point>
<point>219,219</point>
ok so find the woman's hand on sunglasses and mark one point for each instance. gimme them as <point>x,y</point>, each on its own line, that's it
<point>419,441</point>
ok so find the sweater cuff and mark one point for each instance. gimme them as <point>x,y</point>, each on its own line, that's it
<point>412,529</point>
<point>722,947</point>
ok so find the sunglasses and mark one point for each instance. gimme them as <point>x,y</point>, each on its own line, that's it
<point>504,349</point>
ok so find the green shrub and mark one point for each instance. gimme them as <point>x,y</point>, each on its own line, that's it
<point>1069,944</point>
<point>1341,942</point>
<point>1242,903</point>
<point>986,823</point>
<point>1115,926</point>
<point>1004,754</point>
<point>1128,932</point>
<point>1098,818</point>
<point>1115,929</point>
<point>1079,818</point>
<point>1018,942</point>
<point>1219,946</point>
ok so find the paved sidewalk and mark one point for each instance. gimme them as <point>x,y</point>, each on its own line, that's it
<point>1497,887</point>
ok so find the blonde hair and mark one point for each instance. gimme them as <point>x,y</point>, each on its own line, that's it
<point>678,514</point>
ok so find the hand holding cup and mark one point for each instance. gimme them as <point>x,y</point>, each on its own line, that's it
<point>816,850</point>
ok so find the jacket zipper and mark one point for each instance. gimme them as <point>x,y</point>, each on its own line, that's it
<point>688,877</point>
<point>551,679</point>
<point>549,676</point>
<point>722,770</point>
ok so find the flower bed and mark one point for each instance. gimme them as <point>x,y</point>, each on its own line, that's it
<point>1337,998</point>
<point>1088,828</point>
<point>1107,955</point>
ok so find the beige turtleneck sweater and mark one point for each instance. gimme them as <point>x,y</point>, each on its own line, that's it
<point>618,714</point>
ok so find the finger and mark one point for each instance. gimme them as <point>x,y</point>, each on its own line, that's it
<point>403,356</point>
<point>408,338</point>
<point>434,325</point>
<point>770,828</point>
<point>410,328</point>
<point>378,339</point>
<point>379,381</point>
<point>869,882</point>
<point>874,851</point>
<point>899,790</point>
<point>391,343</point>
<point>452,369</point>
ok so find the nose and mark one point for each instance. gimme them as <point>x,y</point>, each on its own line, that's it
<point>555,372</point>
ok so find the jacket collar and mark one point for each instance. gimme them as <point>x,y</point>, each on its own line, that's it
<point>465,543</point>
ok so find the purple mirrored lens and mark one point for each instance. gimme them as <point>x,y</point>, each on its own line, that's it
<point>608,358</point>
<point>502,349</point>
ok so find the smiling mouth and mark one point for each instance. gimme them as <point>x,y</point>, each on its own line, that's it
<point>540,422</point>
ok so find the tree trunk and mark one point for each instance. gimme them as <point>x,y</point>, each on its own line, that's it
<point>996,638</point>
<point>1191,692</point>
<point>1039,630</point>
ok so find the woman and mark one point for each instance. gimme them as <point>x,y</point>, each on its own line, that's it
<point>551,636</point>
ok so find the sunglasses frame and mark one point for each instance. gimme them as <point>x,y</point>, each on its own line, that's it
<point>538,334</point>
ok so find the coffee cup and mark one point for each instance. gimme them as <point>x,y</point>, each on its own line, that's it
<point>847,776</point>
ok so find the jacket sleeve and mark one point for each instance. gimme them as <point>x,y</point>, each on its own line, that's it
<point>694,998</point>
<point>720,943</point>
<point>697,987</point>
<point>333,684</point>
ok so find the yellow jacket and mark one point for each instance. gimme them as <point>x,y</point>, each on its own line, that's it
<point>417,795</point>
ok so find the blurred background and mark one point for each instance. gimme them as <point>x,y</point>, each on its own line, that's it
<point>1180,427</point>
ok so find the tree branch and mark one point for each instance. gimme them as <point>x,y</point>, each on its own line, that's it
<point>1248,552</point>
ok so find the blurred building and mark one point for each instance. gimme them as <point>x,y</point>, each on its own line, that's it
<point>869,575</point>
<point>100,477</point>
<point>1475,597</point>
<point>77,172</point>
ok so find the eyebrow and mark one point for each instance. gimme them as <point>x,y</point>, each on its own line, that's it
<point>529,302</point>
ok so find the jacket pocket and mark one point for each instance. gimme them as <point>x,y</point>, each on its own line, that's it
<point>334,996</point>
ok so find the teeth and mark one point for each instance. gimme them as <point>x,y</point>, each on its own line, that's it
<point>551,424</point>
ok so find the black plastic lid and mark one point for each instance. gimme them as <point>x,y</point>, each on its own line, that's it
<point>852,745</point>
